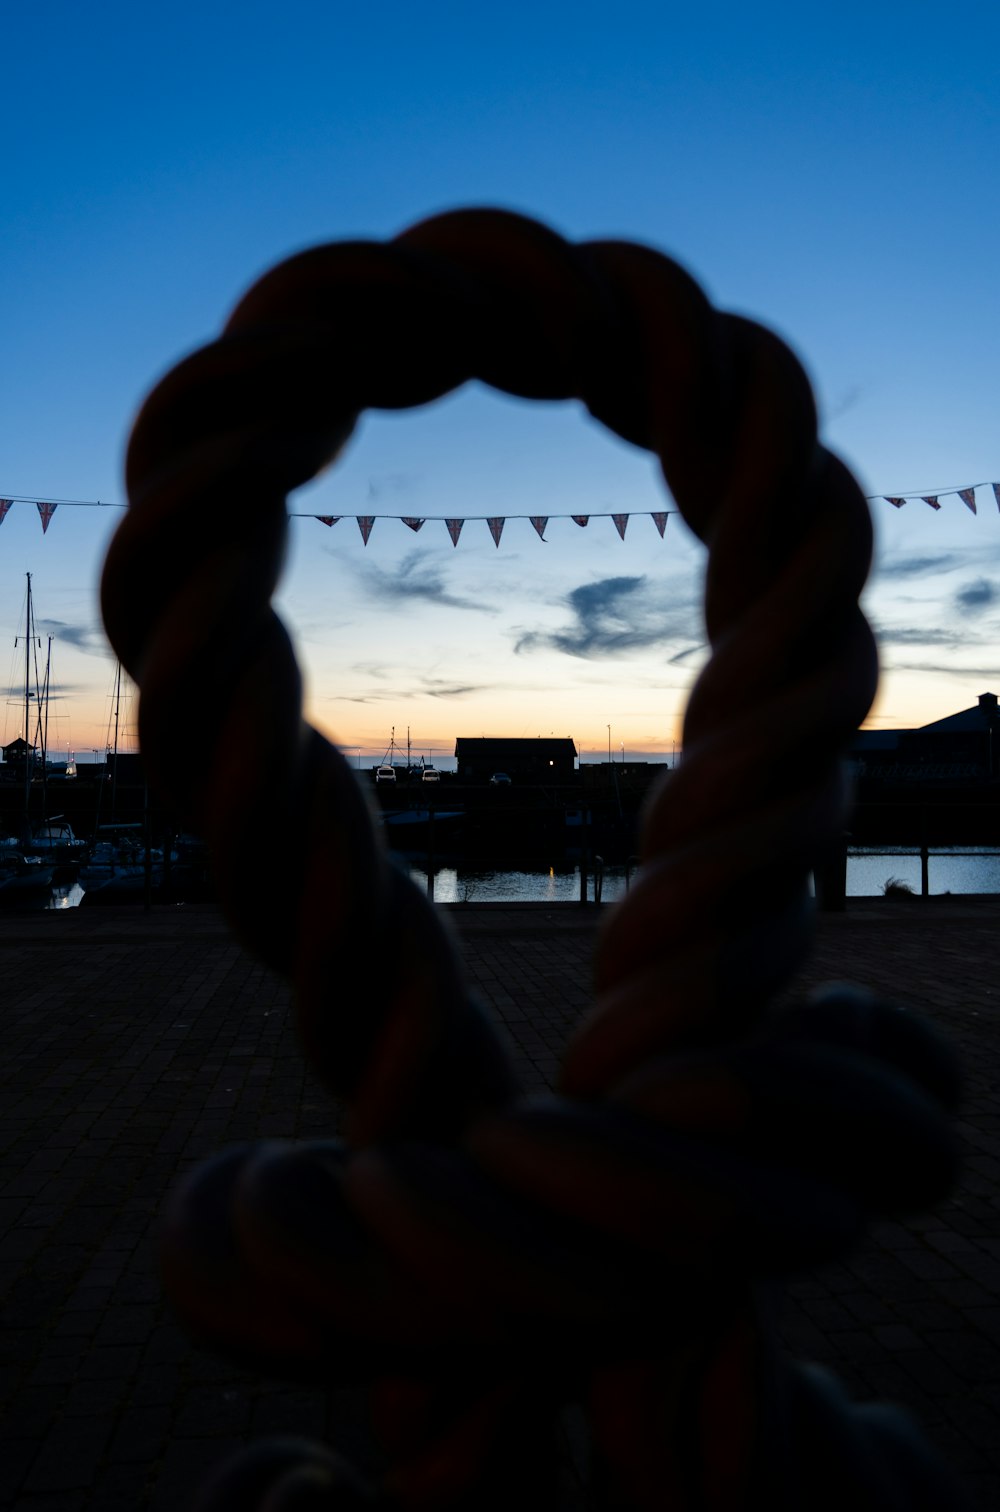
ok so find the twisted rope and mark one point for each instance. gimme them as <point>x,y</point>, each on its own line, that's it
<point>482,1257</point>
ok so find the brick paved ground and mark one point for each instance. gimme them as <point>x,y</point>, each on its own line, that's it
<point>137,1043</point>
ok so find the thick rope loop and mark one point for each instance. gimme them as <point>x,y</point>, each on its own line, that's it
<point>698,1143</point>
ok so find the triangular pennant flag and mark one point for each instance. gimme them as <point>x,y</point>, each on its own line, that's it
<point>660,521</point>
<point>621,521</point>
<point>539,522</point>
<point>365,523</point>
<point>6,503</point>
<point>996,493</point>
<point>413,524</point>
<point>931,499</point>
<point>454,530</point>
<point>580,519</point>
<point>496,524</point>
<point>897,502</point>
<point>45,513</point>
<point>968,498</point>
<point>328,519</point>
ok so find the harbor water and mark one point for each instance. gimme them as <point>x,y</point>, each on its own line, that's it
<point>868,873</point>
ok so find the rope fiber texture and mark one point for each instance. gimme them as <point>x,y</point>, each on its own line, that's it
<point>475,1257</point>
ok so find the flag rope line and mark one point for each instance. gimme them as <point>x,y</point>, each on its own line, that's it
<point>47,506</point>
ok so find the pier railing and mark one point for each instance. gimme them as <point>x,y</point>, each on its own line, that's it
<point>926,854</point>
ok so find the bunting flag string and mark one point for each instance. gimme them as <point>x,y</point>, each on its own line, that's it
<point>967,496</point>
<point>47,507</point>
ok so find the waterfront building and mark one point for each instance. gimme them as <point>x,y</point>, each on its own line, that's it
<point>544,759</point>
<point>958,750</point>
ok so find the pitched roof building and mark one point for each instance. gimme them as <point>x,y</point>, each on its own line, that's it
<point>983,716</point>
<point>544,759</point>
<point>960,748</point>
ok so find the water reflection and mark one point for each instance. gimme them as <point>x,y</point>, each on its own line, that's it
<point>973,869</point>
<point>968,871</point>
<point>482,883</point>
<point>68,896</point>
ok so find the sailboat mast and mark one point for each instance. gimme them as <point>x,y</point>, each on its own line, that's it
<point>114,768</point>
<point>45,703</point>
<point>27,698</point>
<point>43,732</point>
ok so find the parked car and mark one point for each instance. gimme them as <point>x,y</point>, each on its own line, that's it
<point>500,779</point>
<point>385,774</point>
<point>430,774</point>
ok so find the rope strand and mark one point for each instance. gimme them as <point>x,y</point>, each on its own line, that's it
<point>484,1257</point>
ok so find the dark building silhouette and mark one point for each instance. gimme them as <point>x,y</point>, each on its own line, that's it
<point>544,759</point>
<point>14,756</point>
<point>961,748</point>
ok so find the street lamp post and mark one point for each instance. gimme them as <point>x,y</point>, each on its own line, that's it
<point>609,745</point>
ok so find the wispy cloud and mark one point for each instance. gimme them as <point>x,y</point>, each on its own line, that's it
<point>418,579</point>
<point>613,616</point>
<point>436,687</point>
<point>377,670</point>
<point>847,401</point>
<point>85,637</point>
<point>398,682</point>
<point>405,692</point>
<point>65,691</point>
<point>920,635</point>
<point>933,564</point>
<point>977,595</point>
<point>392,483</point>
<point>949,669</point>
<point>681,656</point>
<point>920,566</point>
<point>388,696</point>
<point>363,698</point>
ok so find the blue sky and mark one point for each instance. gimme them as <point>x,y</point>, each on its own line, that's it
<point>830,172</point>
